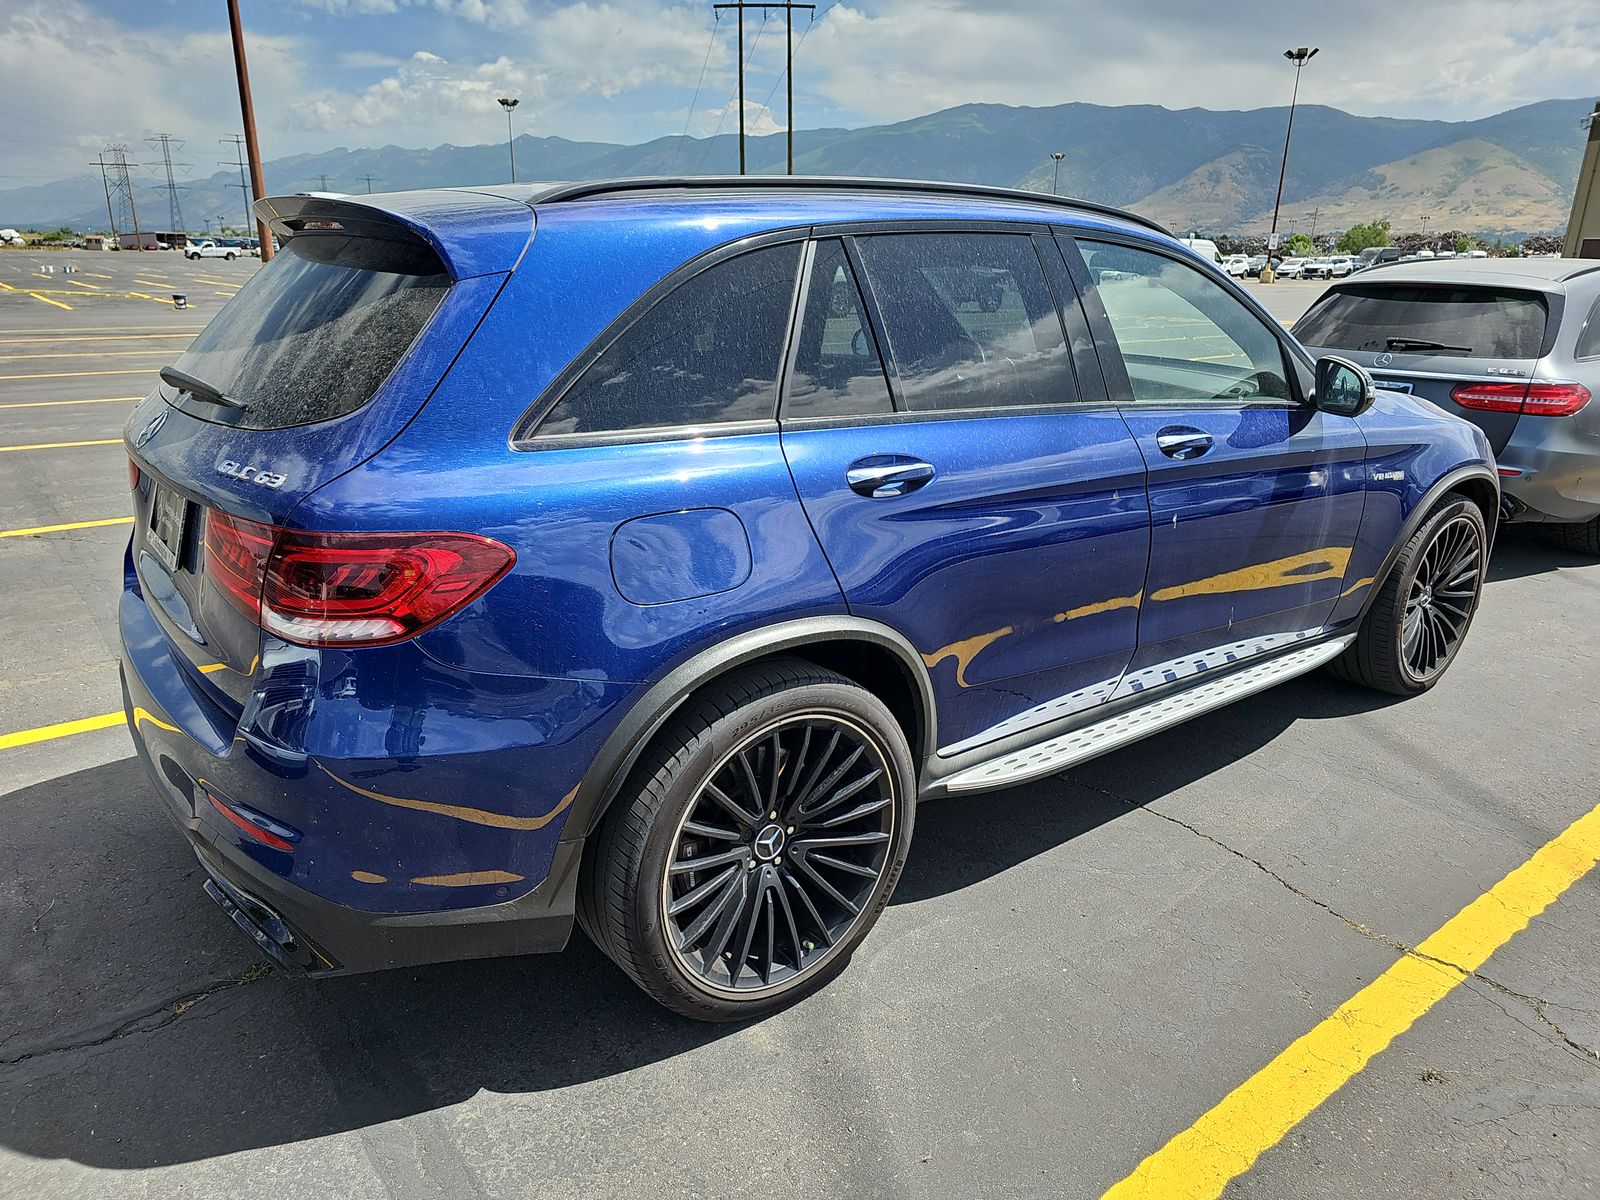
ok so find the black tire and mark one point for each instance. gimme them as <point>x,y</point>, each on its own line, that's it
<point>1386,655</point>
<point>230,257</point>
<point>1583,538</point>
<point>640,868</point>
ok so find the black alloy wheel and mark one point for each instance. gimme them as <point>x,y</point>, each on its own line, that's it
<point>1442,597</point>
<point>776,856</point>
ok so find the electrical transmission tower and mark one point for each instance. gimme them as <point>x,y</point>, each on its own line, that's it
<point>165,143</point>
<point>238,160</point>
<point>120,208</point>
<point>369,179</point>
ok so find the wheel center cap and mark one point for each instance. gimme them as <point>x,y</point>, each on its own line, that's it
<point>769,843</point>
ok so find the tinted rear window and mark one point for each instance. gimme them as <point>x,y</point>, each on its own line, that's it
<point>1482,322</point>
<point>318,329</point>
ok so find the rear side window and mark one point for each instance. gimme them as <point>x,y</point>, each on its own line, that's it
<point>837,369</point>
<point>317,330</point>
<point>970,320</point>
<point>1415,319</point>
<point>1589,336</point>
<point>708,352</point>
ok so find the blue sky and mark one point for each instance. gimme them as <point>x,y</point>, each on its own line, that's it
<point>75,74</point>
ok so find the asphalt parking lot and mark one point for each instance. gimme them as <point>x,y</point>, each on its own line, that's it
<point>1073,976</point>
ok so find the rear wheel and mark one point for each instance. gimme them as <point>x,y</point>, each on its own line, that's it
<point>1582,538</point>
<point>230,257</point>
<point>1421,614</point>
<point>756,843</point>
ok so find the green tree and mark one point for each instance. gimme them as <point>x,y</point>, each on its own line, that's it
<point>1300,246</point>
<point>1465,243</point>
<point>1363,237</point>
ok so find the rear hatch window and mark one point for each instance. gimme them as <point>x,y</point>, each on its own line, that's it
<point>1433,339</point>
<point>312,337</point>
<point>1456,321</point>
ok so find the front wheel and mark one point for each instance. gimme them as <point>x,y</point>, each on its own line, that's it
<point>1421,614</point>
<point>755,845</point>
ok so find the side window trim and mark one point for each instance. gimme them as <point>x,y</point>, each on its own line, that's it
<point>525,435</point>
<point>1590,329</point>
<point>1110,350</point>
<point>869,297</point>
<point>1081,344</point>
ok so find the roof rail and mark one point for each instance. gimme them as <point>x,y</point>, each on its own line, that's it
<point>559,193</point>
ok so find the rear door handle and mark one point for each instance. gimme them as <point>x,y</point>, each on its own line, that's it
<point>1182,441</point>
<point>883,475</point>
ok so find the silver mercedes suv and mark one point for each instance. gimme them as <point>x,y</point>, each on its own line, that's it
<point>1512,345</point>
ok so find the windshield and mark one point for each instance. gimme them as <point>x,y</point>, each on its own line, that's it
<point>316,331</point>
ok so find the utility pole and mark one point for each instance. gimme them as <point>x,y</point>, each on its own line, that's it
<point>243,185</point>
<point>322,182</point>
<point>1315,213</point>
<point>247,111</point>
<point>1299,58</point>
<point>369,179</point>
<point>788,22</point>
<point>164,142</point>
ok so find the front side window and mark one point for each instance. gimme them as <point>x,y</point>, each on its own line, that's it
<point>706,353</point>
<point>837,369</point>
<point>1182,335</point>
<point>969,319</point>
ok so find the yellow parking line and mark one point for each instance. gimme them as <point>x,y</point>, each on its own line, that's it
<point>115,337</point>
<point>99,274</point>
<point>1200,1162</point>
<point>60,403</point>
<point>85,354</point>
<point>132,330</point>
<point>229,295</point>
<point>61,445</point>
<point>47,300</point>
<point>93,287</point>
<point>37,529</point>
<point>45,733</point>
<point>81,374</point>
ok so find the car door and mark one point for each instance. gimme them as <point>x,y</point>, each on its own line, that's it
<point>1255,496</point>
<point>967,488</point>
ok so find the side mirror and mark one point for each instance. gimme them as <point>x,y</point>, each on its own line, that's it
<point>1343,388</point>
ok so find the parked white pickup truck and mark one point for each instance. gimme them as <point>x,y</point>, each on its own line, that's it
<point>209,249</point>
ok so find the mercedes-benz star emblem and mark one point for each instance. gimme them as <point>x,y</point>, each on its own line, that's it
<point>769,842</point>
<point>151,429</point>
<point>1383,360</point>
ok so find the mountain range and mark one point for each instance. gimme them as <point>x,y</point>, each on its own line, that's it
<point>1216,172</point>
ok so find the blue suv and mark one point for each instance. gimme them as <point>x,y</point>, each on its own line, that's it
<point>641,553</point>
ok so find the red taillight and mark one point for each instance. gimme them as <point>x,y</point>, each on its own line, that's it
<point>1554,399</point>
<point>249,828</point>
<point>133,476</point>
<point>1490,397</point>
<point>348,589</point>
<point>1533,399</point>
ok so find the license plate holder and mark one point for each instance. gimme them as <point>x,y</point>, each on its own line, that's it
<point>169,519</point>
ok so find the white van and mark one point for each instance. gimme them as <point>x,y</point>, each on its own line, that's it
<point>1204,247</point>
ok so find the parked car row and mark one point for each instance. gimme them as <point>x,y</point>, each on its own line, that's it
<point>816,502</point>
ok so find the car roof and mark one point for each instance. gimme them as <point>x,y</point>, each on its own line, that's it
<point>482,229</point>
<point>1484,270</point>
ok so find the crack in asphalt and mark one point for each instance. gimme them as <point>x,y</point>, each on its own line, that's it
<point>1535,1004</point>
<point>151,1020</point>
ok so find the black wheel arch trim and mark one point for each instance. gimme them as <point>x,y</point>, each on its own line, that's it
<point>647,716</point>
<point>1424,508</point>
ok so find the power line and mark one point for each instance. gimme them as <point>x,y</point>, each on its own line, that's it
<point>711,44</point>
<point>244,184</point>
<point>164,141</point>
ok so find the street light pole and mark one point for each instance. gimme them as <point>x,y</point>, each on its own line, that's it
<point>1055,182</point>
<point>1299,58</point>
<point>511,146</point>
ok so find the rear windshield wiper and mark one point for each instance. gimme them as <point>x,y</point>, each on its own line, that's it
<point>1403,343</point>
<point>200,389</point>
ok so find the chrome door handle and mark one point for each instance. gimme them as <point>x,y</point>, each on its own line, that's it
<point>885,475</point>
<point>1182,442</point>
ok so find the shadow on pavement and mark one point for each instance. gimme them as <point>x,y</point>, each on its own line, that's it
<point>139,1031</point>
<point>1523,550</point>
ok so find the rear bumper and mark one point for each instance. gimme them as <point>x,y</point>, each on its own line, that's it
<point>1558,469</point>
<point>306,933</point>
<point>296,904</point>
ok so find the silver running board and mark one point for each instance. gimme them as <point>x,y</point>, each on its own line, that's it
<point>1068,749</point>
